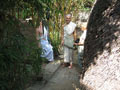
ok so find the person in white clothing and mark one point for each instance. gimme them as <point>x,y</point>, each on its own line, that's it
<point>47,49</point>
<point>81,44</point>
<point>69,30</point>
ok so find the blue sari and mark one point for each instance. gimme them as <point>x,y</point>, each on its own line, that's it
<point>47,49</point>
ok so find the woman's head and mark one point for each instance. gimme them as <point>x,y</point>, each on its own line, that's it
<point>83,26</point>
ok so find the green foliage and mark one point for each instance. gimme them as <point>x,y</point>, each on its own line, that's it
<point>57,10</point>
<point>33,57</point>
<point>16,55</point>
<point>55,41</point>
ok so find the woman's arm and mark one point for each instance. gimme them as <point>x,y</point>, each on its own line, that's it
<point>37,37</point>
<point>79,44</point>
<point>74,35</point>
<point>37,34</point>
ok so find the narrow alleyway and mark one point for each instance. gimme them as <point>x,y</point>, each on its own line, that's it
<point>57,77</point>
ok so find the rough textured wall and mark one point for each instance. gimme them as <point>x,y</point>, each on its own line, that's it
<point>102,47</point>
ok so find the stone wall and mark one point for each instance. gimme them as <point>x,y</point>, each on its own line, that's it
<point>102,47</point>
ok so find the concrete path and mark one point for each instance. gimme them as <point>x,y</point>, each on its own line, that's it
<point>57,77</point>
<point>64,79</point>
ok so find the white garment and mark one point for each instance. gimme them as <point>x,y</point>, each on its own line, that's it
<point>47,50</point>
<point>68,30</point>
<point>68,54</point>
<point>82,40</point>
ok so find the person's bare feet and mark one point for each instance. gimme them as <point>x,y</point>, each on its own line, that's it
<point>70,66</point>
<point>65,64</point>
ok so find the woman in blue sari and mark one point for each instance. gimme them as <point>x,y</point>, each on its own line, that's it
<point>42,35</point>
